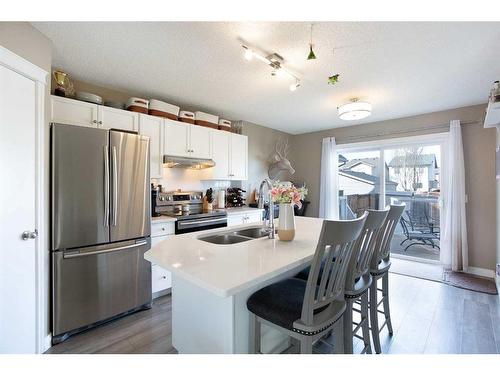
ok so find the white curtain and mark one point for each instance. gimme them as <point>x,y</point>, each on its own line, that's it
<point>329,192</point>
<point>454,249</point>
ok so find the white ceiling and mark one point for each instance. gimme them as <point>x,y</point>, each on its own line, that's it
<point>403,69</point>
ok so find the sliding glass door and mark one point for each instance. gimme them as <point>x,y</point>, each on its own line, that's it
<point>359,183</point>
<point>372,175</point>
<point>414,175</point>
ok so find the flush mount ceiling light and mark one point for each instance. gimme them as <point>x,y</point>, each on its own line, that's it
<point>355,110</point>
<point>275,61</point>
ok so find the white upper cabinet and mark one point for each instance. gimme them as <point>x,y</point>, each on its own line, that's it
<point>176,138</point>
<point>76,112</point>
<point>186,140</point>
<point>168,137</point>
<point>199,141</point>
<point>108,118</point>
<point>73,112</point>
<point>220,154</point>
<point>238,157</point>
<point>153,126</point>
<point>230,153</point>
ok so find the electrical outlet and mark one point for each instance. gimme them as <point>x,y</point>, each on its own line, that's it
<point>498,269</point>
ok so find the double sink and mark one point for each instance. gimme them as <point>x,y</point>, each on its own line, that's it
<point>242,235</point>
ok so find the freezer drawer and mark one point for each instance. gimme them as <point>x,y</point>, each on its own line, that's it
<point>97,283</point>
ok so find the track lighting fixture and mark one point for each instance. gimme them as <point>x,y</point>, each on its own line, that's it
<point>275,61</point>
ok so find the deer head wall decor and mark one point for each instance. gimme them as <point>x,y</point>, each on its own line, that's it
<point>280,163</point>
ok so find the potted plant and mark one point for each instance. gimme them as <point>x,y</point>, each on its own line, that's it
<point>287,196</point>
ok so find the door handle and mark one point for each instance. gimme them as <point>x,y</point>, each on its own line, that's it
<point>106,186</point>
<point>115,187</point>
<point>28,235</point>
<point>83,254</point>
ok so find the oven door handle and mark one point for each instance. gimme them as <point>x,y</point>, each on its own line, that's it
<point>194,222</point>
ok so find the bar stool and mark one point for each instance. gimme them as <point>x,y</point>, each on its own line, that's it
<point>309,310</point>
<point>379,269</point>
<point>358,281</point>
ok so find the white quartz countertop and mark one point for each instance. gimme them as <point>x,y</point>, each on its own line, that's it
<point>163,219</point>
<point>228,269</point>
<point>242,210</point>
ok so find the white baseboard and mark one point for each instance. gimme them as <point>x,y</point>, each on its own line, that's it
<point>47,343</point>
<point>484,272</point>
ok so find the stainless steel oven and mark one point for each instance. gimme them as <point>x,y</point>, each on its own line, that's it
<point>187,208</point>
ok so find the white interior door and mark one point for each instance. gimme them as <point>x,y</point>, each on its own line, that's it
<point>18,313</point>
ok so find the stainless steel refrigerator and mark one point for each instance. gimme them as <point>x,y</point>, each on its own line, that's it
<point>100,226</point>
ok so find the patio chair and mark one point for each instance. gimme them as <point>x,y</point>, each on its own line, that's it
<point>422,236</point>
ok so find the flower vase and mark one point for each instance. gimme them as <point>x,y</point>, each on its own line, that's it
<point>286,224</point>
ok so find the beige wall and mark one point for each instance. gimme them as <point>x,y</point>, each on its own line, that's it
<point>24,40</point>
<point>261,146</point>
<point>479,147</point>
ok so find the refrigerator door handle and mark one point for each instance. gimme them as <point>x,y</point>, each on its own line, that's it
<point>78,254</point>
<point>106,186</point>
<point>115,187</point>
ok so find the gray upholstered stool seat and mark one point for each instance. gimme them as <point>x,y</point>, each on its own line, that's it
<point>281,303</point>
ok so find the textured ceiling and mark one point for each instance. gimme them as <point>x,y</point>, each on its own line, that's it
<point>403,69</point>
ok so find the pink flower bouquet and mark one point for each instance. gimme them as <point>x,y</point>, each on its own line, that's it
<point>288,194</point>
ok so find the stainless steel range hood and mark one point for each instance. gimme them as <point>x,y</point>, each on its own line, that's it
<point>187,163</point>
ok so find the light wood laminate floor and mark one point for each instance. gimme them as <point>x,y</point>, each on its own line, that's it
<point>428,317</point>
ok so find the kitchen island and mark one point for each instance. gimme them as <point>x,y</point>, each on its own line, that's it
<point>212,282</point>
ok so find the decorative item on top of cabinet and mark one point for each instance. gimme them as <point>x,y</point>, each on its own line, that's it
<point>186,116</point>
<point>138,105</point>
<point>163,109</point>
<point>206,119</point>
<point>225,125</point>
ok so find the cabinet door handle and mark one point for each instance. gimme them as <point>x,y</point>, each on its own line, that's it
<point>94,121</point>
<point>100,122</point>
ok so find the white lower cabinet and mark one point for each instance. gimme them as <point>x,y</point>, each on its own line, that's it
<point>244,218</point>
<point>161,279</point>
